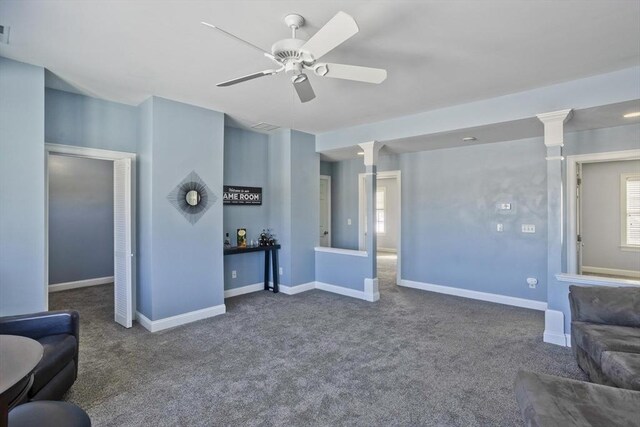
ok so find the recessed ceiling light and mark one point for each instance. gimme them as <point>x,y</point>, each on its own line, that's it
<point>360,153</point>
<point>631,115</point>
<point>469,138</point>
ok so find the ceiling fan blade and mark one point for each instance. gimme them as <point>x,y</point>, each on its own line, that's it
<point>228,34</point>
<point>304,89</point>
<point>339,29</point>
<point>351,72</point>
<point>248,77</point>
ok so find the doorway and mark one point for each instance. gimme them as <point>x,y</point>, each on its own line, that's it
<point>387,226</point>
<point>325,211</point>
<point>603,215</point>
<point>122,233</point>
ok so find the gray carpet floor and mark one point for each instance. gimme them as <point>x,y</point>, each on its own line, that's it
<point>316,358</point>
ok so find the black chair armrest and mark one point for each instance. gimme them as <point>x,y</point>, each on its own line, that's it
<point>39,325</point>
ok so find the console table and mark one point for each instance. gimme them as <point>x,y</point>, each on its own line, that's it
<point>268,250</point>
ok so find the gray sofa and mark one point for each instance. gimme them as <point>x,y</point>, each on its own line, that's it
<point>605,337</point>
<point>605,334</point>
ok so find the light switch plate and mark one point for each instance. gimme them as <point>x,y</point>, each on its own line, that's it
<point>500,227</point>
<point>504,206</point>
<point>234,274</point>
<point>528,228</point>
<point>349,221</point>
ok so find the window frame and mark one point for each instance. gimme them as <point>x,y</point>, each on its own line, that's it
<point>624,244</point>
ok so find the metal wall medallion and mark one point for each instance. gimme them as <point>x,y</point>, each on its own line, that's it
<point>192,198</point>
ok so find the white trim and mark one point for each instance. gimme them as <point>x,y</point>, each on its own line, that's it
<point>611,271</point>
<point>554,126</point>
<point>230,293</point>
<point>292,290</point>
<point>568,339</point>
<point>624,179</point>
<point>554,328</point>
<point>328,179</point>
<point>362,212</point>
<point>93,153</point>
<point>580,279</point>
<point>482,296</point>
<point>341,291</point>
<point>57,287</point>
<point>390,250</point>
<point>180,319</point>
<point>555,158</point>
<point>371,292</point>
<point>572,161</point>
<point>350,252</point>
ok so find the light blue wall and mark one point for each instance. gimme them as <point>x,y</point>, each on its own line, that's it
<point>294,168</point>
<point>73,119</point>
<point>344,203</point>
<point>342,270</point>
<point>305,206</point>
<point>22,190</point>
<point>144,179</point>
<point>246,164</point>
<point>80,219</point>
<point>186,261</point>
<point>326,168</point>
<point>449,217</point>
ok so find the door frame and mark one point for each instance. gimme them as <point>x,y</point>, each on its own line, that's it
<point>362,212</point>
<point>572,209</point>
<point>328,179</point>
<point>99,154</point>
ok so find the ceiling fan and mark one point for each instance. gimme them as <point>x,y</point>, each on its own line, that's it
<point>295,56</point>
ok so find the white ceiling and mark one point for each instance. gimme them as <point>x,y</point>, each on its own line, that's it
<point>437,53</point>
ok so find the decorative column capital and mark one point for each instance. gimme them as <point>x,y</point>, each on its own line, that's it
<point>371,149</point>
<point>554,126</point>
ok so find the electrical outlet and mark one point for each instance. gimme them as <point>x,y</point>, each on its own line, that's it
<point>504,206</point>
<point>533,282</point>
<point>349,221</point>
<point>234,274</point>
<point>528,228</point>
<point>500,227</point>
<point>281,271</point>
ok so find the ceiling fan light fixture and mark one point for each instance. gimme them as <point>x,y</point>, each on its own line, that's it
<point>299,78</point>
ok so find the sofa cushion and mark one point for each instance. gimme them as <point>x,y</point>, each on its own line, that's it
<point>546,400</point>
<point>610,305</point>
<point>59,350</point>
<point>623,369</point>
<point>595,339</point>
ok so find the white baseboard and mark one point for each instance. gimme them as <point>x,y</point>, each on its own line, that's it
<point>611,271</point>
<point>57,287</point>
<point>482,296</point>
<point>341,291</point>
<point>554,328</point>
<point>371,292</point>
<point>180,319</point>
<point>292,290</point>
<point>229,293</point>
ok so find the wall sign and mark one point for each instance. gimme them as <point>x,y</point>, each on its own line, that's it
<point>236,195</point>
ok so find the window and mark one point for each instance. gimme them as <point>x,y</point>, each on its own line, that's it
<point>380,202</point>
<point>630,204</point>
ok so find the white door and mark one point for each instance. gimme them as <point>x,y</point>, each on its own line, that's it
<point>123,286</point>
<point>325,211</point>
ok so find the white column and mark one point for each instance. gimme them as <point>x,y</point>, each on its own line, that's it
<point>557,299</point>
<point>371,150</point>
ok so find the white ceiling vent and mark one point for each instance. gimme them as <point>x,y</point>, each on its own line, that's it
<point>4,34</point>
<point>264,127</point>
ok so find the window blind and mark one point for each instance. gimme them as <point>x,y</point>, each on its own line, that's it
<point>633,210</point>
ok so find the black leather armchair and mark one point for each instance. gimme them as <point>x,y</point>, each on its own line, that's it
<point>59,334</point>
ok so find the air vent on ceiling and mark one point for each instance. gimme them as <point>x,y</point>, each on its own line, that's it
<point>4,34</point>
<point>264,126</point>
